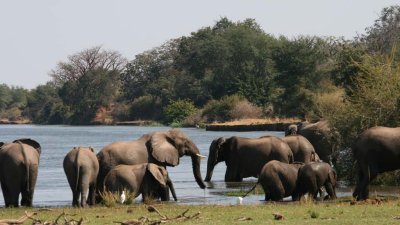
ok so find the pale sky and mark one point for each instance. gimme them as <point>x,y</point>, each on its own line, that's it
<point>35,35</point>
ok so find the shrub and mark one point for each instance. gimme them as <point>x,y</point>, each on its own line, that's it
<point>146,107</point>
<point>245,110</point>
<point>178,110</point>
<point>12,114</point>
<point>220,110</point>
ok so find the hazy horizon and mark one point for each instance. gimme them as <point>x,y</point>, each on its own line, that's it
<point>36,35</point>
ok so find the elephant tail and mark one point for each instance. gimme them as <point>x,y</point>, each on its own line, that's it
<point>254,187</point>
<point>77,172</point>
<point>26,164</point>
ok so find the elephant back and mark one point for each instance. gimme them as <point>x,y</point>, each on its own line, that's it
<point>34,144</point>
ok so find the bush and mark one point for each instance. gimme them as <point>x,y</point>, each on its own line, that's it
<point>146,108</point>
<point>245,110</point>
<point>178,110</point>
<point>12,114</point>
<point>220,110</point>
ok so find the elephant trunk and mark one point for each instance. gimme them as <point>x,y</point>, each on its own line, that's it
<point>210,169</point>
<point>171,188</point>
<point>196,170</point>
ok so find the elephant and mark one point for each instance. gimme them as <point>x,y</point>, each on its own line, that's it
<point>245,157</point>
<point>375,151</point>
<point>311,177</point>
<point>148,179</point>
<point>19,163</point>
<point>81,168</point>
<point>302,149</point>
<point>322,137</point>
<point>278,179</point>
<point>161,148</point>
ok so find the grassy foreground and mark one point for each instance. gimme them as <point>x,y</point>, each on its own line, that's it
<point>336,212</point>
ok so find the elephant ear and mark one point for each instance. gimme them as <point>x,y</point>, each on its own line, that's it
<point>30,142</point>
<point>157,172</point>
<point>163,150</point>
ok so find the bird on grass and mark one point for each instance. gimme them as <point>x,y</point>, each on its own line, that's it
<point>122,197</point>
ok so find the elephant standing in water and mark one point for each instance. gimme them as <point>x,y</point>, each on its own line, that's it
<point>312,177</point>
<point>302,149</point>
<point>81,168</point>
<point>148,179</point>
<point>161,148</point>
<point>320,135</point>
<point>19,163</point>
<point>245,157</point>
<point>278,179</point>
<point>376,150</point>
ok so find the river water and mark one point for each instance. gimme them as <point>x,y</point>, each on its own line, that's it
<point>52,188</point>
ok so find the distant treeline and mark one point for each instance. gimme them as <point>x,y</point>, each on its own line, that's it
<point>230,70</point>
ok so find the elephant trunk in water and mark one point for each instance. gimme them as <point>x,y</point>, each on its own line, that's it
<point>212,159</point>
<point>210,169</point>
<point>196,170</point>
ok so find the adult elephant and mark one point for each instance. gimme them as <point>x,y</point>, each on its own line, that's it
<point>148,179</point>
<point>245,157</point>
<point>278,179</point>
<point>376,150</point>
<point>312,177</point>
<point>81,168</point>
<point>162,148</point>
<point>19,163</point>
<point>302,149</point>
<point>320,135</point>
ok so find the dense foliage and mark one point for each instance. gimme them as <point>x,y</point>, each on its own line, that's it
<point>230,70</point>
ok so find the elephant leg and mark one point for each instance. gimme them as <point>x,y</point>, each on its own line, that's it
<point>357,189</point>
<point>75,198</point>
<point>29,187</point>
<point>330,190</point>
<point>91,197</point>
<point>84,191</point>
<point>373,173</point>
<point>6,193</point>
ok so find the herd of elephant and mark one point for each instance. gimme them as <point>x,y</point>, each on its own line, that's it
<point>294,165</point>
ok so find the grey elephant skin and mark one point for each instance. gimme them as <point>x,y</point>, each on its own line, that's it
<point>312,177</point>
<point>319,134</point>
<point>302,149</point>
<point>375,151</point>
<point>161,148</point>
<point>81,168</point>
<point>245,157</point>
<point>278,179</point>
<point>19,163</point>
<point>148,179</point>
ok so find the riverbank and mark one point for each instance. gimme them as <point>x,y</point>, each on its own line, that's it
<point>271,124</point>
<point>341,211</point>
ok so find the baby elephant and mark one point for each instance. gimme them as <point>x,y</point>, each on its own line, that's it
<point>312,177</point>
<point>148,179</point>
<point>81,167</point>
<point>278,179</point>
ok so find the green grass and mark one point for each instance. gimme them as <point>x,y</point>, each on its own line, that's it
<point>334,212</point>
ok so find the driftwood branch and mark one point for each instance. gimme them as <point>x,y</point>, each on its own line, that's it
<point>163,218</point>
<point>21,220</point>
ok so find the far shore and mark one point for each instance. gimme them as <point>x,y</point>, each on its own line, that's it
<point>268,124</point>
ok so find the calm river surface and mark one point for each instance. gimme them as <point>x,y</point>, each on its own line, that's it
<point>52,188</point>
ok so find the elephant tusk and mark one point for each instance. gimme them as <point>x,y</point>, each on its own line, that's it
<point>201,156</point>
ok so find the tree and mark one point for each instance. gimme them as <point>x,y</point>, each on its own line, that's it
<point>303,68</point>
<point>88,81</point>
<point>85,61</point>
<point>384,34</point>
<point>229,58</point>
